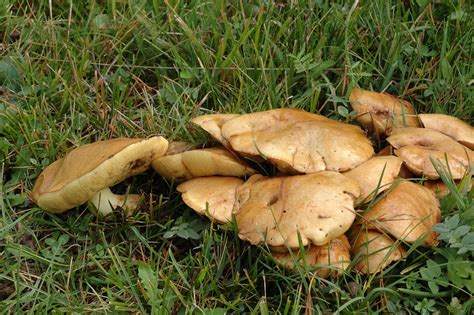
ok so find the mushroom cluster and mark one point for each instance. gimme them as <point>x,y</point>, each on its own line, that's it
<point>334,202</point>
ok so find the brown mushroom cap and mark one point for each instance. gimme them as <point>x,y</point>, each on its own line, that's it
<point>380,112</point>
<point>374,251</point>
<point>200,163</point>
<point>375,175</point>
<point>441,189</point>
<point>331,259</point>
<point>212,196</point>
<point>420,147</point>
<point>315,208</point>
<point>88,169</point>
<point>461,131</point>
<point>297,141</point>
<point>408,212</point>
<point>176,147</point>
<point>212,123</point>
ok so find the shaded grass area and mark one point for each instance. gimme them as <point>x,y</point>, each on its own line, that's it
<point>74,72</point>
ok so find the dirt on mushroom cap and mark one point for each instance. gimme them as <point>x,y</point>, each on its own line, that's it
<point>281,210</point>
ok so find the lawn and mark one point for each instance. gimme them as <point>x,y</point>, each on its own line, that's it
<point>75,72</point>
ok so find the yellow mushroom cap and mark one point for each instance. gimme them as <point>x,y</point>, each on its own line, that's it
<point>419,148</point>
<point>459,130</point>
<point>315,208</point>
<point>297,141</point>
<point>212,123</point>
<point>200,163</point>
<point>213,196</point>
<point>381,112</point>
<point>330,259</point>
<point>408,212</point>
<point>375,175</point>
<point>88,169</point>
<point>373,251</point>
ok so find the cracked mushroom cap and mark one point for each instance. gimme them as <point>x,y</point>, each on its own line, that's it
<point>212,123</point>
<point>457,129</point>
<point>330,259</point>
<point>380,112</point>
<point>373,251</point>
<point>297,141</point>
<point>408,212</point>
<point>279,210</point>
<point>91,168</point>
<point>200,163</point>
<point>211,196</point>
<point>375,175</point>
<point>420,147</point>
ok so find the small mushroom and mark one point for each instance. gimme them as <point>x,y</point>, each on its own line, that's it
<point>200,163</point>
<point>380,112</point>
<point>441,189</point>
<point>87,172</point>
<point>375,175</point>
<point>212,123</point>
<point>419,148</point>
<point>457,129</point>
<point>280,211</point>
<point>407,212</point>
<point>330,259</point>
<point>297,141</point>
<point>212,196</point>
<point>373,251</point>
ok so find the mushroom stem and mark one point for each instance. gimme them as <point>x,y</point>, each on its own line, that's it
<point>105,201</point>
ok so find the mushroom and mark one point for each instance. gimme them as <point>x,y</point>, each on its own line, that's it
<point>441,189</point>
<point>404,171</point>
<point>407,212</point>
<point>373,251</point>
<point>282,211</point>
<point>420,148</point>
<point>212,196</point>
<point>380,112</point>
<point>330,259</point>
<point>297,141</point>
<point>459,130</point>
<point>87,172</point>
<point>212,123</point>
<point>375,175</point>
<point>199,163</point>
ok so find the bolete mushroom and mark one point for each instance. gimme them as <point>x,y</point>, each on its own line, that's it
<point>457,129</point>
<point>212,123</point>
<point>330,259</point>
<point>373,251</point>
<point>200,163</point>
<point>297,141</point>
<point>423,150</point>
<point>87,172</point>
<point>380,112</point>
<point>407,212</point>
<point>212,196</point>
<point>375,175</point>
<point>281,211</point>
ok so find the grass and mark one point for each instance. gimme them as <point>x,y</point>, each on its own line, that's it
<point>74,72</point>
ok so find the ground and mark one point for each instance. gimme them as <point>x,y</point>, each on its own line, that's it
<point>73,72</point>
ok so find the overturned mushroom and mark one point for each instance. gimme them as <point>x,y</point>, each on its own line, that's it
<point>212,196</point>
<point>408,212</point>
<point>87,172</point>
<point>330,259</point>
<point>373,251</point>
<point>423,150</point>
<point>297,141</point>
<point>280,211</point>
<point>459,130</point>
<point>380,112</point>
<point>375,175</point>
<point>212,123</point>
<point>199,163</point>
